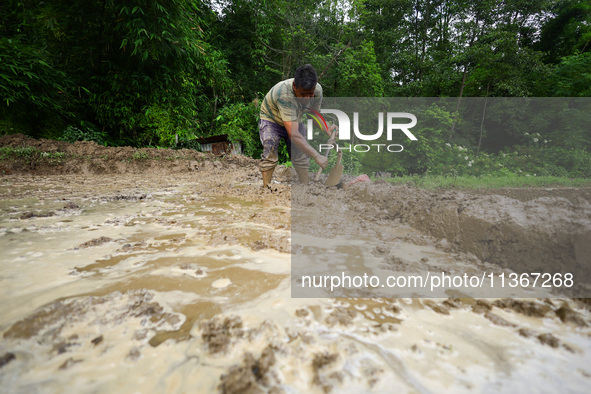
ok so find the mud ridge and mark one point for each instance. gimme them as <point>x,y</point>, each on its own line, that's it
<point>88,157</point>
<point>546,235</point>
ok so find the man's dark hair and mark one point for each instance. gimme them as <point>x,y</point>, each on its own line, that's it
<point>305,77</point>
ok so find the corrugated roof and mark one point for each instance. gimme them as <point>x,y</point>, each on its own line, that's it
<point>212,139</point>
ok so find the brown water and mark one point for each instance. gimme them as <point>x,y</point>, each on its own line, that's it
<point>189,292</point>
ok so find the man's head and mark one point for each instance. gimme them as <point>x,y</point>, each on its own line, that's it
<point>304,83</point>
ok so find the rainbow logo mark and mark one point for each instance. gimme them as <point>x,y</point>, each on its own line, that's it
<point>317,117</point>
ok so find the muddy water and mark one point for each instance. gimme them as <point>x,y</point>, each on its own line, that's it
<point>122,284</point>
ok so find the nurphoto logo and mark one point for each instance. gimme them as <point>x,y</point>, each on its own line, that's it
<point>344,124</point>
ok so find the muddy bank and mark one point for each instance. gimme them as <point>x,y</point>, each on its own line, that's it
<point>543,235</point>
<point>574,195</point>
<point>87,157</point>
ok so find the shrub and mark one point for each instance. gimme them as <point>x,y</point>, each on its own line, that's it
<point>85,132</point>
<point>240,122</point>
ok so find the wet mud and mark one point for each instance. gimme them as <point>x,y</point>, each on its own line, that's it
<point>549,235</point>
<point>174,276</point>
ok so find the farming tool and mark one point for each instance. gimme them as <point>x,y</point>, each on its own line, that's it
<point>334,176</point>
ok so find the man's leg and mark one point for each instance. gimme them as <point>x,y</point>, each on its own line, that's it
<point>299,160</point>
<point>270,133</point>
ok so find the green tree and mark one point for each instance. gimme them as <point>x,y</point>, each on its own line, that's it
<point>566,31</point>
<point>571,77</point>
<point>355,73</point>
<point>143,71</point>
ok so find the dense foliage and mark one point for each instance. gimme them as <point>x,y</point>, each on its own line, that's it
<point>155,72</point>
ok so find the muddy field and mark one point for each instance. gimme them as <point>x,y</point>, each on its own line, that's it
<point>170,271</point>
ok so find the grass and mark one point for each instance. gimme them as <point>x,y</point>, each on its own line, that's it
<point>140,156</point>
<point>21,151</point>
<point>488,182</point>
<point>53,155</point>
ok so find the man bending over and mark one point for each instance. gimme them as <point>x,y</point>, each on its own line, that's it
<point>281,117</point>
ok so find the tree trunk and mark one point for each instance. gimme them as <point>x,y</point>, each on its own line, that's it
<point>453,125</point>
<point>482,122</point>
<point>426,25</point>
<point>215,107</point>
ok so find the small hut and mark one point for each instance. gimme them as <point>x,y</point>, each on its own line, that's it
<point>219,145</point>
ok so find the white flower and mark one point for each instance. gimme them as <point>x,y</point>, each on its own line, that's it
<point>466,157</point>
<point>469,164</point>
<point>526,174</point>
<point>448,144</point>
<point>545,141</point>
<point>535,140</point>
<point>520,171</point>
<point>526,133</point>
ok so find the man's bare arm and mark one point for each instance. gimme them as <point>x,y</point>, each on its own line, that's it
<point>300,142</point>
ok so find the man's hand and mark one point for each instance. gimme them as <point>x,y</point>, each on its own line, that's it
<point>330,129</point>
<point>321,160</point>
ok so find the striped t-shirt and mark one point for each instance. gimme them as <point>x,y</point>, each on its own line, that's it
<point>278,103</point>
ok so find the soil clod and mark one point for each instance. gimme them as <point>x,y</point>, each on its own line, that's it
<point>218,335</point>
<point>527,308</point>
<point>95,242</point>
<point>549,339</point>
<point>341,316</point>
<point>6,358</point>
<point>499,321</point>
<point>567,315</point>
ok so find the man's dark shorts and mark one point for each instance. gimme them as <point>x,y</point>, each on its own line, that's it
<point>271,133</point>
